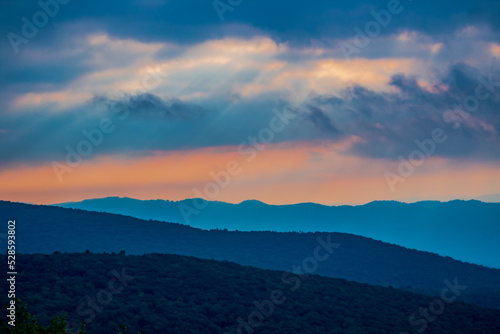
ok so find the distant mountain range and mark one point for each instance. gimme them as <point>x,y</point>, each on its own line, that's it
<point>464,230</point>
<point>47,229</point>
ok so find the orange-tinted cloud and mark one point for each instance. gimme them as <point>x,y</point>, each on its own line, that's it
<point>281,173</point>
<point>247,67</point>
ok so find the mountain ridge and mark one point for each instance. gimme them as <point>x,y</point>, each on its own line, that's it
<point>447,228</point>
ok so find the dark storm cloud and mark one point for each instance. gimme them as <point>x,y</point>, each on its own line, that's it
<point>389,123</point>
<point>296,22</point>
<point>150,105</point>
<point>320,120</point>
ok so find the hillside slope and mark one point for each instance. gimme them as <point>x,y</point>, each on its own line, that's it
<point>45,229</point>
<point>464,230</point>
<point>176,294</point>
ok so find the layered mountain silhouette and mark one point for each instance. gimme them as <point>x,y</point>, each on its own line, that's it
<point>47,229</point>
<point>464,230</point>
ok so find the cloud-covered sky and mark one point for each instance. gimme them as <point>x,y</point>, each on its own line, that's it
<point>332,102</point>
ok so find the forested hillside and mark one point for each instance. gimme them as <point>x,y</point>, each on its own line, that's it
<point>160,293</point>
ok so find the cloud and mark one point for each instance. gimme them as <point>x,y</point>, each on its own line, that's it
<point>150,105</point>
<point>297,23</point>
<point>142,124</point>
<point>220,81</point>
<point>388,123</point>
<point>320,120</point>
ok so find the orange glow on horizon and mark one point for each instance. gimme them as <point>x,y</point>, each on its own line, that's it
<point>280,174</point>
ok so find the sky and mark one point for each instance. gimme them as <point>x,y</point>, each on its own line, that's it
<point>331,102</point>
